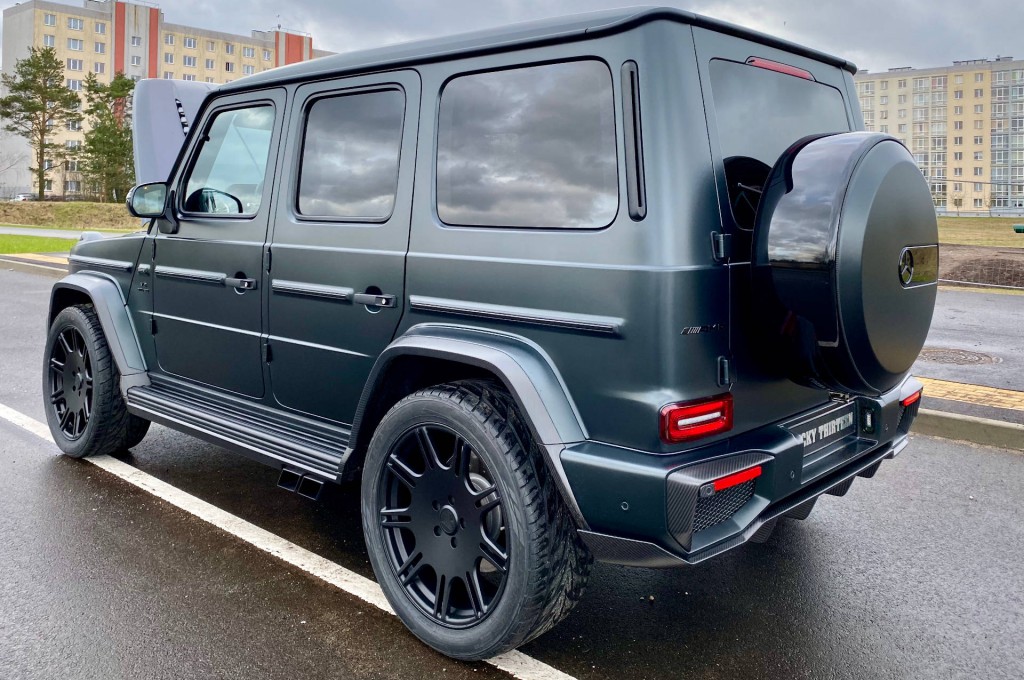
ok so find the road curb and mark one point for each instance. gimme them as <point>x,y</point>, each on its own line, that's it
<point>31,268</point>
<point>984,431</point>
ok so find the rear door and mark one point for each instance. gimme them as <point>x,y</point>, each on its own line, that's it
<point>208,286</point>
<point>340,238</point>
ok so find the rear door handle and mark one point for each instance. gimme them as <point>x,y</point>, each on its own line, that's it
<point>371,300</point>
<point>239,283</point>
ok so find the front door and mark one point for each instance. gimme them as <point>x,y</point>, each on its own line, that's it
<point>208,283</point>
<point>340,236</point>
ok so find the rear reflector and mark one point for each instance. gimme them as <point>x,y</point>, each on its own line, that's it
<point>695,419</point>
<point>737,478</point>
<point>780,68</point>
<point>912,398</point>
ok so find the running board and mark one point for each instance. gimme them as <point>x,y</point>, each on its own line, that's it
<point>271,436</point>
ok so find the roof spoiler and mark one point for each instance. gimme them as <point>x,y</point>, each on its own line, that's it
<point>163,112</point>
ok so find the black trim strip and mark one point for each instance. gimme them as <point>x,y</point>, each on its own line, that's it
<point>315,290</point>
<point>536,317</point>
<point>636,197</point>
<point>102,263</point>
<point>194,275</point>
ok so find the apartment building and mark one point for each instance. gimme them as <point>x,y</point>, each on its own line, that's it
<point>105,37</point>
<point>964,124</point>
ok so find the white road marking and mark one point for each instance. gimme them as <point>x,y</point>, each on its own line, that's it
<point>515,663</point>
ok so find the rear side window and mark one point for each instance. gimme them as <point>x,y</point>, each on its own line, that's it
<point>760,113</point>
<point>528,147</point>
<point>350,153</point>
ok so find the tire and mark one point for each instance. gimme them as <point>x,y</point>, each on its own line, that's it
<point>527,567</point>
<point>90,418</point>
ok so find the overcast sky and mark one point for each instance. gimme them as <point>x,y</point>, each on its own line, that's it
<point>875,34</point>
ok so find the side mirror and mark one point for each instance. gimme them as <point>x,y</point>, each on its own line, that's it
<point>149,201</point>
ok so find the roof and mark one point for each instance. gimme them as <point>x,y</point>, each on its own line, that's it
<point>515,36</point>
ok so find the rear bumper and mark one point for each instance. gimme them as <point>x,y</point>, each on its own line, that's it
<point>643,510</point>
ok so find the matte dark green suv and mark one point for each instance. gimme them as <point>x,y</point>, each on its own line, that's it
<point>629,286</point>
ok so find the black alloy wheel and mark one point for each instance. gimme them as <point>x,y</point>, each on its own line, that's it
<point>442,524</point>
<point>71,383</point>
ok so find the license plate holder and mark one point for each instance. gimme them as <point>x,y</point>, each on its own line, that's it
<point>822,430</point>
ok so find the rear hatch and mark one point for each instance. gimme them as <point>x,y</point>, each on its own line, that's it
<point>758,100</point>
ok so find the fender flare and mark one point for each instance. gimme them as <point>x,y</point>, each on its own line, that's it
<point>521,365</point>
<point>112,311</point>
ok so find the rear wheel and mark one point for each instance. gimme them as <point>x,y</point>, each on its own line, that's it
<point>467,534</point>
<point>81,392</point>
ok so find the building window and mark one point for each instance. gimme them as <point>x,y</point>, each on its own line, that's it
<point>958,125</point>
<point>229,67</point>
<point>958,155</point>
<point>884,128</point>
<point>189,77</point>
<point>486,158</point>
<point>979,108</point>
<point>168,57</point>
<point>75,24</point>
<point>168,38</point>
<point>101,48</point>
<point>249,52</point>
<point>958,110</point>
<point>248,69</point>
<point>901,99</point>
<point>210,64</point>
<point>209,79</point>
<point>902,113</point>
<point>901,83</point>
<point>266,55</point>
<point>979,155</point>
<point>72,186</point>
<point>978,93</point>
<point>191,43</point>
<point>884,85</point>
<point>136,41</point>
<point>74,125</point>
<point>168,75</point>
<point>958,172</point>
<point>883,101</point>
<point>979,125</point>
<point>188,61</point>
<point>73,144</point>
<point>48,164</point>
<point>883,114</point>
<point>50,20</point>
<point>939,81</point>
<point>958,141</point>
<point>978,186</point>
<point>100,67</point>
<point>49,41</point>
<point>362,155</point>
<point>75,85</point>
<point>48,185</point>
<point>229,48</point>
<point>902,127</point>
<point>71,165</point>
<point>75,44</point>
<point>979,140</point>
<point>210,46</point>
<point>978,172</point>
<point>136,60</point>
<point>958,94</point>
<point>74,64</point>
<point>958,80</point>
<point>979,77</point>
<point>101,28</point>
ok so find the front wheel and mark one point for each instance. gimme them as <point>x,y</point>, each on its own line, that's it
<point>81,392</point>
<point>468,536</point>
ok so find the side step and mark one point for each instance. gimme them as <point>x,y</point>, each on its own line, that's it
<point>271,436</point>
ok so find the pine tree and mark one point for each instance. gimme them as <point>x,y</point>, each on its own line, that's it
<point>107,161</point>
<point>37,104</point>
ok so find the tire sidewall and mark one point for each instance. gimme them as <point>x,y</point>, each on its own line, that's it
<point>486,638</point>
<point>75,317</point>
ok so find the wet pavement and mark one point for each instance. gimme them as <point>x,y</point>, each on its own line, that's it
<point>915,573</point>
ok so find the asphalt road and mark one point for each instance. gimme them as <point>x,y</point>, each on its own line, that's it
<point>917,573</point>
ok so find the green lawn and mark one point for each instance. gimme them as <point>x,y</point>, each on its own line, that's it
<point>981,231</point>
<point>34,244</point>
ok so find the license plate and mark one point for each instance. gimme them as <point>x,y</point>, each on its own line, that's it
<point>827,427</point>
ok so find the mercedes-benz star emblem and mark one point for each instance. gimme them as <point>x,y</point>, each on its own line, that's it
<point>906,267</point>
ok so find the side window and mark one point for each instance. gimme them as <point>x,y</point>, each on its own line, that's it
<point>529,147</point>
<point>228,173</point>
<point>350,150</point>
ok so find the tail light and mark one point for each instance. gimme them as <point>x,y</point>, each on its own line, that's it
<point>695,419</point>
<point>911,399</point>
<point>780,68</point>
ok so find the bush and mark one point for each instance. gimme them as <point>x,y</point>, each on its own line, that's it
<point>71,215</point>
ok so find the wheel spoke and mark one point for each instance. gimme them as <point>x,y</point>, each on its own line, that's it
<point>64,419</point>
<point>476,595</point>
<point>460,459</point>
<point>493,554</point>
<point>395,517</point>
<point>57,396</point>
<point>442,595</point>
<point>405,566</point>
<point>488,505</point>
<point>427,448</point>
<point>68,351</point>
<point>484,493</point>
<point>87,410</point>
<point>402,472</point>
<point>56,364</point>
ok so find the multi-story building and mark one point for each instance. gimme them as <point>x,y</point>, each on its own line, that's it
<point>107,37</point>
<point>964,124</point>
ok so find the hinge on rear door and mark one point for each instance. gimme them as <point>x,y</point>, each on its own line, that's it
<point>270,258</point>
<point>268,352</point>
<point>724,372</point>
<point>152,325</point>
<point>721,246</point>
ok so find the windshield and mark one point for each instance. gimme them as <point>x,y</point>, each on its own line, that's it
<point>760,113</point>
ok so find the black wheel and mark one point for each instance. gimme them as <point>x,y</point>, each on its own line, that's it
<point>81,392</point>
<point>467,533</point>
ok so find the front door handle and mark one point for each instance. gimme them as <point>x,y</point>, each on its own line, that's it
<point>371,300</point>
<point>240,283</point>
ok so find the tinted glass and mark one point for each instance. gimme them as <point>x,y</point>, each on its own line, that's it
<point>350,156</point>
<point>528,147</point>
<point>228,175</point>
<point>760,113</point>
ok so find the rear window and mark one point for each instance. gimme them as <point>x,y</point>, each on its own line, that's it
<point>760,113</point>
